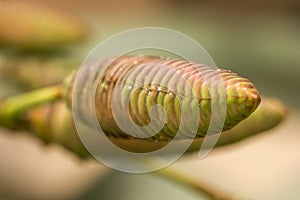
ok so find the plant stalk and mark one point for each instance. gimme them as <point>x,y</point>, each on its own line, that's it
<point>179,177</point>
<point>12,107</point>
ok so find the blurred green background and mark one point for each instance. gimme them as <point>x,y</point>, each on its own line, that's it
<point>258,40</point>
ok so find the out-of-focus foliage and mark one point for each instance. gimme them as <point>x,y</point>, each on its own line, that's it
<point>34,72</point>
<point>37,27</point>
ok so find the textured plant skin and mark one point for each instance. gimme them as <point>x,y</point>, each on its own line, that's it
<point>53,123</point>
<point>33,26</point>
<point>269,114</point>
<point>241,95</point>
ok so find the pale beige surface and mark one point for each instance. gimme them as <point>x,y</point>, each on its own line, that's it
<point>263,167</point>
<point>30,170</point>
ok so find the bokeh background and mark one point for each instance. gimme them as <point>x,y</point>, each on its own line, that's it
<point>257,39</point>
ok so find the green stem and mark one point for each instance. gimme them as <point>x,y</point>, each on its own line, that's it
<point>12,107</point>
<point>184,179</point>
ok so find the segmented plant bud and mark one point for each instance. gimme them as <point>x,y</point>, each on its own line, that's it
<point>268,115</point>
<point>30,25</point>
<point>172,83</point>
<point>53,123</point>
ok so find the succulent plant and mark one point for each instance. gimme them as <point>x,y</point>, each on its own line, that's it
<point>45,111</point>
